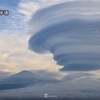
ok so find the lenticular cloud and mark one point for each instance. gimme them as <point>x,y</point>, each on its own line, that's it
<point>71,32</point>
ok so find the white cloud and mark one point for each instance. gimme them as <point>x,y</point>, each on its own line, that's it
<point>15,54</point>
<point>27,8</point>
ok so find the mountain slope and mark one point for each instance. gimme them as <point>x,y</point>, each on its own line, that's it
<point>23,79</point>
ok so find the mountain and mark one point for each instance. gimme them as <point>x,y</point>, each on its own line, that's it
<point>24,79</point>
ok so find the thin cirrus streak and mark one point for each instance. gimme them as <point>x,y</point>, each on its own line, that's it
<point>70,31</point>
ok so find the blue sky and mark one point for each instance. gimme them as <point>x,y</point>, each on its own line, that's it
<point>24,21</point>
<point>51,36</point>
<point>14,35</point>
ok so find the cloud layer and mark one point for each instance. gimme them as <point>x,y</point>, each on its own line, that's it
<point>71,77</point>
<point>71,32</point>
<point>81,89</point>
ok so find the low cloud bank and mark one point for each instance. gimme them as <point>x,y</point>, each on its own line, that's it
<point>79,89</point>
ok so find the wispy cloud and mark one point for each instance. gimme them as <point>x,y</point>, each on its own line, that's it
<point>13,38</point>
<point>76,76</point>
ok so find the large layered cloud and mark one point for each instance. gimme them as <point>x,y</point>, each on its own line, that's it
<point>71,32</point>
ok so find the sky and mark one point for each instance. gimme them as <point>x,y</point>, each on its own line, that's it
<point>57,38</point>
<point>14,36</point>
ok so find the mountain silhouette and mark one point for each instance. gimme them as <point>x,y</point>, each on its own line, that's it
<point>24,79</point>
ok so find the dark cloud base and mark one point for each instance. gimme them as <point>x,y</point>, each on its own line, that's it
<point>49,99</point>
